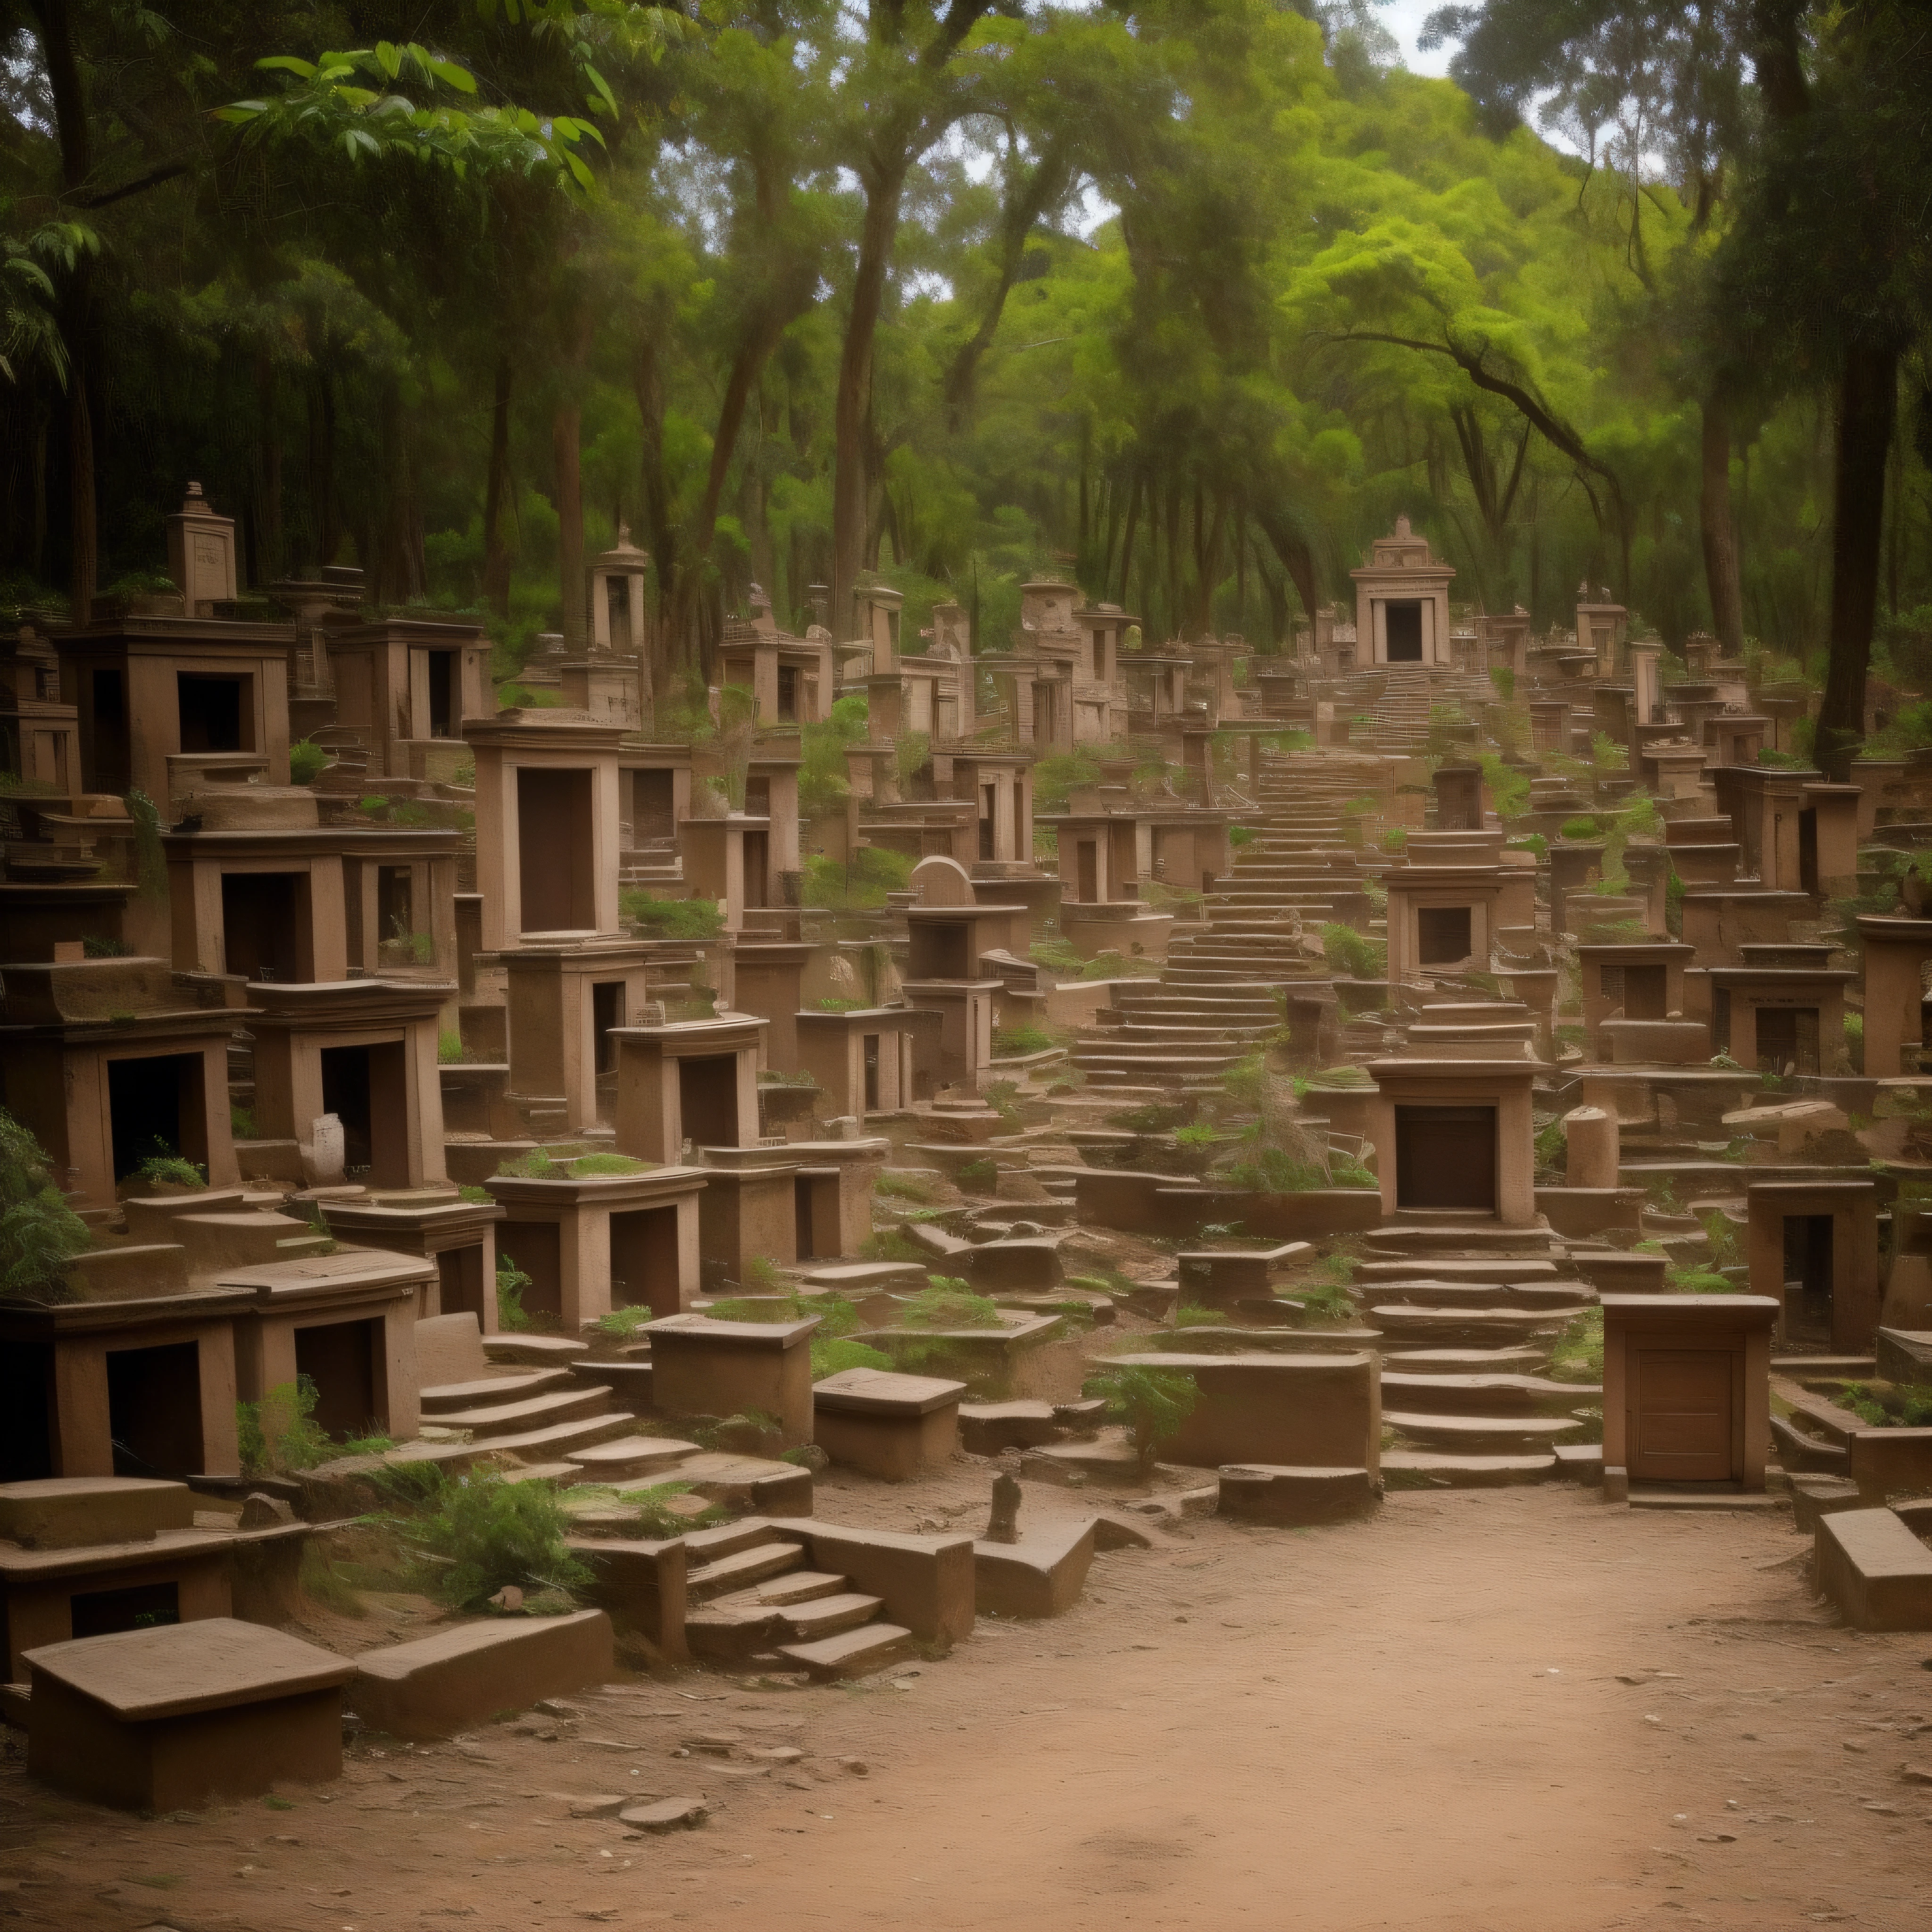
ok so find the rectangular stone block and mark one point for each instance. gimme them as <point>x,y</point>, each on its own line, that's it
<point>70,1512</point>
<point>439,1683</point>
<point>181,1714</point>
<point>1319,1411</point>
<point>925,1581</point>
<point>1290,1497</point>
<point>1873,1567</point>
<point>1041,1577</point>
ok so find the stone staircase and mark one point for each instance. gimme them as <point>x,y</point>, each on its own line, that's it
<point>754,1600</point>
<point>1469,1315</point>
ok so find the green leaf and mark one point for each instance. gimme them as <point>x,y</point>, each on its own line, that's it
<point>289,63</point>
<point>389,58</point>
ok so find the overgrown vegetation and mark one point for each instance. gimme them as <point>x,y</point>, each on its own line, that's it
<point>948,1302</point>
<point>1151,1403</point>
<point>39,1234</point>
<point>670,919</point>
<point>479,1534</point>
<point>511,1317</point>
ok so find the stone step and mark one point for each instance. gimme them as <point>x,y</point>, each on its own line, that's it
<point>1551,1295</point>
<point>827,1616</point>
<point>562,1439</point>
<point>743,1566</point>
<point>489,1389</point>
<point>1445,1268</point>
<point>800,1586</point>
<point>1480,1434</point>
<point>852,1653</point>
<point>628,1458</point>
<point>1487,1395</point>
<point>1435,1362</point>
<point>536,1412</point>
<point>1464,1327</point>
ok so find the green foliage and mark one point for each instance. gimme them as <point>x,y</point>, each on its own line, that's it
<point>1198,1135</point>
<point>1274,1171</point>
<point>1239,835</point>
<point>449,1049</point>
<point>1059,775</point>
<point>888,1244</point>
<point>1508,788</point>
<point>625,1322</point>
<point>1187,1315</point>
<point>482,1534</point>
<point>1886,1405</point>
<point>1023,1038</point>
<point>1353,954</point>
<point>903,1187</point>
<point>481,1196</point>
<point>860,886</point>
<point>1577,1355</point>
<point>307,760</point>
<point>511,1282</point>
<point>823,786</point>
<point>1701,1281</point>
<point>167,1169</point>
<point>660,1524</point>
<point>280,1432</point>
<point>39,1234</point>
<point>947,1302</point>
<point>1395,838</point>
<point>834,1356</point>
<point>592,1164</point>
<point>978,1177</point>
<point>151,858</point>
<point>1580,828</point>
<point>1531,841</point>
<point>1151,1402</point>
<point>1503,678</point>
<point>670,919</point>
<point>241,1123</point>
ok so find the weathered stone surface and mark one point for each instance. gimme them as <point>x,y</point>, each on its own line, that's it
<point>1040,1577</point>
<point>1289,1496</point>
<point>439,1683</point>
<point>668,1814</point>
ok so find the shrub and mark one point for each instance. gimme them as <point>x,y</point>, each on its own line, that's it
<point>624,1321</point>
<point>1198,1135</point>
<point>1395,838</point>
<point>279,1431</point>
<point>888,1244</point>
<point>1580,827</point>
<point>1577,1354</point>
<point>535,1165</point>
<point>1889,1407</point>
<point>836,1356</point>
<point>485,1535</point>
<point>1353,953</point>
<point>482,1196</point>
<point>980,1177</point>
<point>1239,835</point>
<point>859,886</point>
<point>948,1302</point>
<point>511,1282</point>
<point>307,760</point>
<point>1153,1403</point>
<point>607,1163</point>
<point>167,1169</point>
<point>1025,1038</point>
<point>39,1234</point>
<point>1057,776</point>
<point>671,919</point>
<point>241,1123</point>
<point>449,1049</point>
<point>1508,788</point>
<point>1272,1171</point>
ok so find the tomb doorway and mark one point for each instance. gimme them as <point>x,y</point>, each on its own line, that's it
<point>109,696</point>
<point>459,1276</point>
<point>263,916</point>
<point>1808,1280</point>
<point>155,1107</point>
<point>442,691</point>
<point>554,854</point>
<point>108,1612</point>
<point>26,1411</point>
<point>154,1410</point>
<point>1683,1409</point>
<point>1787,1037</point>
<point>644,1260</point>
<point>1442,934</point>
<point>365,1087</point>
<point>214,717</point>
<point>1446,1157</point>
<point>339,1358</point>
<point>707,1099</point>
<point>535,1247</point>
<point>1402,617</point>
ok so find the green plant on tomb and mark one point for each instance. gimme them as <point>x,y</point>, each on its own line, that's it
<point>1152,1403</point>
<point>281,1432</point>
<point>482,1534</point>
<point>511,1317</point>
<point>948,1302</point>
<point>39,1234</point>
<point>834,1356</point>
<point>166,1168</point>
<point>660,1523</point>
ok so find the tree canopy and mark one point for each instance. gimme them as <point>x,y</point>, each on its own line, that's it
<point>1188,299</point>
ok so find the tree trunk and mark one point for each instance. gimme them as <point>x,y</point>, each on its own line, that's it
<point>76,306</point>
<point>566,438</point>
<point>1867,403</point>
<point>268,561</point>
<point>496,487</point>
<point>1721,574</point>
<point>852,413</point>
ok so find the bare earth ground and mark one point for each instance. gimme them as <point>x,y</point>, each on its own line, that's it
<point>1418,1723</point>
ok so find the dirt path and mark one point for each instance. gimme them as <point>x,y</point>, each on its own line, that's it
<point>1415,1723</point>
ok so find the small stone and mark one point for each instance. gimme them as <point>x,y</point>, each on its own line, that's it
<point>857,1766</point>
<point>715,1744</point>
<point>670,1814</point>
<point>776,1754</point>
<point>1912,1775</point>
<point>508,1598</point>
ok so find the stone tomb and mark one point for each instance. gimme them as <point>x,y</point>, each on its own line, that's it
<point>1897,951</point>
<point>1455,1134</point>
<point>700,1366</point>
<point>1781,1011</point>
<point>182,1714</point>
<point>1686,1388</point>
<point>1640,980</point>
<point>1812,1249</point>
<point>110,1061</point>
<point>459,1236</point>
<point>88,1556</point>
<point>884,1424</point>
<point>408,686</point>
<point>1322,1411</point>
<point>603,1241</point>
<point>1442,917</point>
<point>1402,601</point>
<point>866,1060</point>
<point>568,1000</point>
<point>365,1051</point>
<point>949,931</point>
<point>548,833</point>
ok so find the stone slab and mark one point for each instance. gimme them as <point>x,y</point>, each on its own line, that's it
<point>1288,1496</point>
<point>70,1512</point>
<point>440,1683</point>
<point>1041,1576</point>
<point>1877,1572</point>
